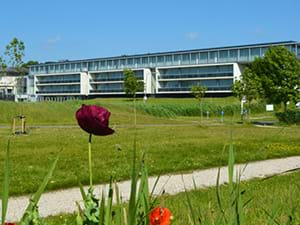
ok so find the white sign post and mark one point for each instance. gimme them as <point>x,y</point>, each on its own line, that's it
<point>269,107</point>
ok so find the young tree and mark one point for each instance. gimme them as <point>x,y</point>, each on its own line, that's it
<point>279,75</point>
<point>15,52</point>
<point>131,83</point>
<point>199,92</point>
<point>249,86</point>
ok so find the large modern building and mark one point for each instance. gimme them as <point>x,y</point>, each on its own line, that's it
<point>164,73</point>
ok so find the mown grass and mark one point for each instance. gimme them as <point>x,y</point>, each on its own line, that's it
<point>169,149</point>
<point>278,196</point>
<point>122,110</point>
<point>63,113</point>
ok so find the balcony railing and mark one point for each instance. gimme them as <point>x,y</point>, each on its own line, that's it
<point>58,92</point>
<point>57,81</point>
<point>174,76</point>
<point>107,91</point>
<point>219,88</point>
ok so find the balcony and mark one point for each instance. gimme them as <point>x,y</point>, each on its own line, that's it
<point>57,81</point>
<point>176,76</point>
<point>175,89</point>
<point>58,92</point>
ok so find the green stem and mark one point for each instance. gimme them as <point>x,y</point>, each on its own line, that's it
<point>90,161</point>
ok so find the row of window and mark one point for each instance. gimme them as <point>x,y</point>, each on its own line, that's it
<point>220,56</point>
<point>210,71</point>
<point>188,84</point>
<point>59,89</point>
<point>114,76</point>
<point>68,78</point>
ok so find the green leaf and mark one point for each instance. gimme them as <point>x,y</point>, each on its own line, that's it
<point>36,197</point>
<point>5,191</point>
<point>82,191</point>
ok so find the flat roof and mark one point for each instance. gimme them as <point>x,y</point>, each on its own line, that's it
<point>171,52</point>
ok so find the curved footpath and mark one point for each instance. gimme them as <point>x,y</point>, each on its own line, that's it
<point>63,201</point>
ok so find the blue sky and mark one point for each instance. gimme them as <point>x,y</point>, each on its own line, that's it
<point>64,29</point>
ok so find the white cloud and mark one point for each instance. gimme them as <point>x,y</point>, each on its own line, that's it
<point>192,35</point>
<point>54,40</point>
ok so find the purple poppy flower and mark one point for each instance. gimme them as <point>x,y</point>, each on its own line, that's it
<point>94,120</point>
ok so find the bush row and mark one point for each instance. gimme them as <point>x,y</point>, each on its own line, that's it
<point>289,116</point>
<point>189,109</point>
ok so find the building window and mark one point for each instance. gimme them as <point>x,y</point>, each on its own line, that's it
<point>254,52</point>
<point>203,57</point>
<point>213,57</point>
<point>194,58</point>
<point>244,54</point>
<point>145,61</point>
<point>169,60</point>
<point>152,60</point>
<point>186,58</point>
<point>177,59</point>
<point>160,60</point>
<point>233,55</point>
<point>223,56</point>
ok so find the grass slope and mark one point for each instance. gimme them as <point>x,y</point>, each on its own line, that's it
<point>169,149</point>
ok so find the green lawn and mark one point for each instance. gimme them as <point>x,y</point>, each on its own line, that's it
<point>121,108</point>
<point>278,196</point>
<point>169,149</point>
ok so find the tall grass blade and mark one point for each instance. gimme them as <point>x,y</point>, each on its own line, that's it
<point>5,191</point>
<point>192,215</point>
<point>231,196</point>
<point>119,209</point>
<point>83,194</point>
<point>143,195</point>
<point>102,210</point>
<point>108,210</point>
<point>219,200</point>
<point>36,197</point>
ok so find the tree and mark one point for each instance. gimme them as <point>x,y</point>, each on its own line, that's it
<point>131,83</point>
<point>15,52</point>
<point>29,63</point>
<point>199,92</point>
<point>279,75</point>
<point>249,86</point>
<point>13,56</point>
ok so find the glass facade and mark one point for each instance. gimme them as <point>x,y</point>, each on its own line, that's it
<point>196,72</point>
<point>113,76</point>
<point>68,78</point>
<point>182,79</point>
<point>170,71</point>
<point>108,88</point>
<point>53,89</point>
<point>223,55</point>
<point>183,85</point>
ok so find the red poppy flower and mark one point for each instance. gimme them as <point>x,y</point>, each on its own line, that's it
<point>10,224</point>
<point>94,120</point>
<point>160,216</point>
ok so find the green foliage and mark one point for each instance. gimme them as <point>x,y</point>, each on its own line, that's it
<point>90,214</point>
<point>29,63</point>
<point>198,92</point>
<point>31,215</point>
<point>13,56</point>
<point>279,74</point>
<point>5,190</point>
<point>171,110</point>
<point>131,83</point>
<point>15,52</point>
<point>289,116</point>
<point>249,86</point>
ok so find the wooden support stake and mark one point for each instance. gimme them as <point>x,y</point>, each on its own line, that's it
<point>14,126</point>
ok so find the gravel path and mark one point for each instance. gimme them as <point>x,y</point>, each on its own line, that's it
<point>63,201</point>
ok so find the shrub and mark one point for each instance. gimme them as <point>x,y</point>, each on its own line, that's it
<point>289,116</point>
